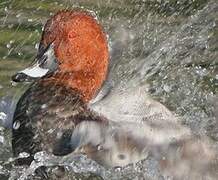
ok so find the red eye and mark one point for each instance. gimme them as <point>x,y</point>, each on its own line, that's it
<point>72,35</point>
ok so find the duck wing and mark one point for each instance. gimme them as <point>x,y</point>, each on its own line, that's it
<point>135,106</point>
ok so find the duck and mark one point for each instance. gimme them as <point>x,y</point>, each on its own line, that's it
<point>71,107</point>
<point>68,70</point>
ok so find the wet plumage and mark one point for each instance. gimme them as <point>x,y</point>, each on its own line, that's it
<point>44,119</point>
<point>59,113</point>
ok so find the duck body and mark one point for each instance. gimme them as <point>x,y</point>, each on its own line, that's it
<point>53,118</point>
<point>45,118</point>
<point>69,69</point>
<point>61,114</point>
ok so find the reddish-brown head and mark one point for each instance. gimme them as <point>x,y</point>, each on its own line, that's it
<point>80,46</point>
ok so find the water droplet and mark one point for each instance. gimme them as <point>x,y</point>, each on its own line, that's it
<point>41,156</point>
<point>118,168</point>
<point>2,139</point>
<point>19,53</point>
<point>13,83</point>
<point>3,116</point>
<point>50,131</point>
<point>36,45</point>
<point>59,134</point>
<point>99,147</point>
<point>167,88</point>
<point>24,155</point>
<point>8,45</point>
<point>44,106</point>
<point>16,125</point>
<point>18,15</point>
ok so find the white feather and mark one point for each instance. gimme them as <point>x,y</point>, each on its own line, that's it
<point>35,71</point>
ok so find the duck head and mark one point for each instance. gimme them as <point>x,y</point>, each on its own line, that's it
<point>73,51</point>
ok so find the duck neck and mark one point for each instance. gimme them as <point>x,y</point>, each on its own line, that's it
<point>86,83</point>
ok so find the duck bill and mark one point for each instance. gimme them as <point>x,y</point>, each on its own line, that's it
<point>44,64</point>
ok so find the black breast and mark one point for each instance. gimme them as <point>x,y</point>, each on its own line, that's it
<point>44,119</point>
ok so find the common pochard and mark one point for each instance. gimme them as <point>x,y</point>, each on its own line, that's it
<point>61,112</point>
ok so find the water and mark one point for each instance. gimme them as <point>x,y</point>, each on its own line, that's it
<point>173,47</point>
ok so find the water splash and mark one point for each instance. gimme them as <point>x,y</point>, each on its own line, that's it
<point>176,55</point>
